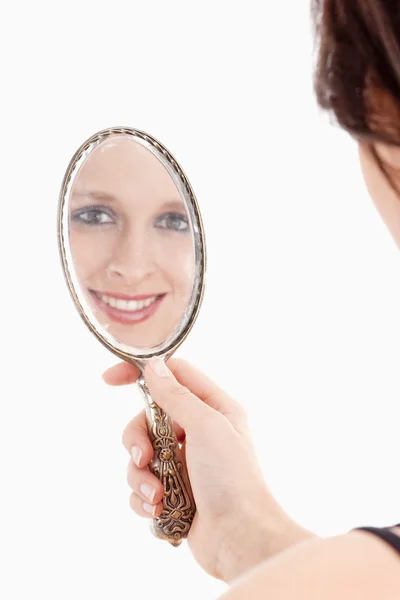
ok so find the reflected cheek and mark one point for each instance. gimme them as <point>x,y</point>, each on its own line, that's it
<point>177,266</point>
<point>181,275</point>
<point>188,267</point>
<point>91,256</point>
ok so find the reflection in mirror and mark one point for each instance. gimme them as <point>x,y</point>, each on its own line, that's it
<point>131,242</point>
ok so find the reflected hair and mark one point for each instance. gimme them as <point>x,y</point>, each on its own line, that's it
<point>357,69</point>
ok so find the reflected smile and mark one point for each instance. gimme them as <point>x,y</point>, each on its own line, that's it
<point>127,309</point>
<point>128,305</point>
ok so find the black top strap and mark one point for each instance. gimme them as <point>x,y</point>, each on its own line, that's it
<point>385,534</point>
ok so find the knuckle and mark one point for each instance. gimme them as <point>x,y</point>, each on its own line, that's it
<point>180,390</point>
<point>214,422</point>
<point>240,409</point>
<point>127,437</point>
<point>215,418</point>
<point>133,430</point>
<point>133,502</point>
<point>177,365</point>
<point>175,392</point>
<point>124,438</point>
<point>130,476</point>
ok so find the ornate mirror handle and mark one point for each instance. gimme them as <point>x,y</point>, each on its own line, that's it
<point>179,507</point>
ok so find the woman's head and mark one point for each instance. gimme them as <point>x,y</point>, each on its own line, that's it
<point>131,242</point>
<point>357,79</point>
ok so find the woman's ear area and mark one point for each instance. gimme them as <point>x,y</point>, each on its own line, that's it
<point>381,189</point>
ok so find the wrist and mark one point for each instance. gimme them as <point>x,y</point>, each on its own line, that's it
<point>256,539</point>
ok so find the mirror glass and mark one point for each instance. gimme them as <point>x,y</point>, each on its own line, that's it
<point>132,242</point>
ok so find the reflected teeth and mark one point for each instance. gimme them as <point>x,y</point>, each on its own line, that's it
<point>128,305</point>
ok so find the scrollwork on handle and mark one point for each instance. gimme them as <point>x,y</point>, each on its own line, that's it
<point>179,507</point>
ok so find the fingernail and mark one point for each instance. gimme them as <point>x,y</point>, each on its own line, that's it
<point>159,367</point>
<point>136,455</point>
<point>148,491</point>
<point>149,509</point>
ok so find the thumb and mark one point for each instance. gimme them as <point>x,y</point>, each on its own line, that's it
<point>177,401</point>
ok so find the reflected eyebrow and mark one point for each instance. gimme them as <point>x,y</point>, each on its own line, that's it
<point>98,196</point>
<point>174,205</point>
<point>95,195</point>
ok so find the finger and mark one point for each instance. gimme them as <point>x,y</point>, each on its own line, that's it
<point>136,439</point>
<point>203,387</point>
<point>176,400</point>
<point>144,484</point>
<point>143,509</point>
<point>198,383</point>
<point>121,374</point>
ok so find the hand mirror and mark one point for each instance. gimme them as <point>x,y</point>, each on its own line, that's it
<point>133,252</point>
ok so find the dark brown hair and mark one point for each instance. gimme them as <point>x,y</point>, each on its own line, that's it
<point>357,72</point>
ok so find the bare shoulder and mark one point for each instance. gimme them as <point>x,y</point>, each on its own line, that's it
<point>347,567</point>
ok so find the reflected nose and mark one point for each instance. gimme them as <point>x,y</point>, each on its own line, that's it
<point>132,258</point>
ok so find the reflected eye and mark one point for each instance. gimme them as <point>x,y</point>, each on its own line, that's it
<point>92,216</point>
<point>173,222</point>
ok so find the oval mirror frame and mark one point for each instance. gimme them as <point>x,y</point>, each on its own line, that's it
<point>168,347</point>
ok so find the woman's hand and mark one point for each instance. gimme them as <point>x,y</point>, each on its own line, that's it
<point>238,523</point>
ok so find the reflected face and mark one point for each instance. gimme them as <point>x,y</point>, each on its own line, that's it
<point>384,195</point>
<point>131,243</point>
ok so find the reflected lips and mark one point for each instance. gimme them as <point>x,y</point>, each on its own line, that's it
<point>127,310</point>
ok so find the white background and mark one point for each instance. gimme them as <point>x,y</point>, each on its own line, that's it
<point>301,316</point>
